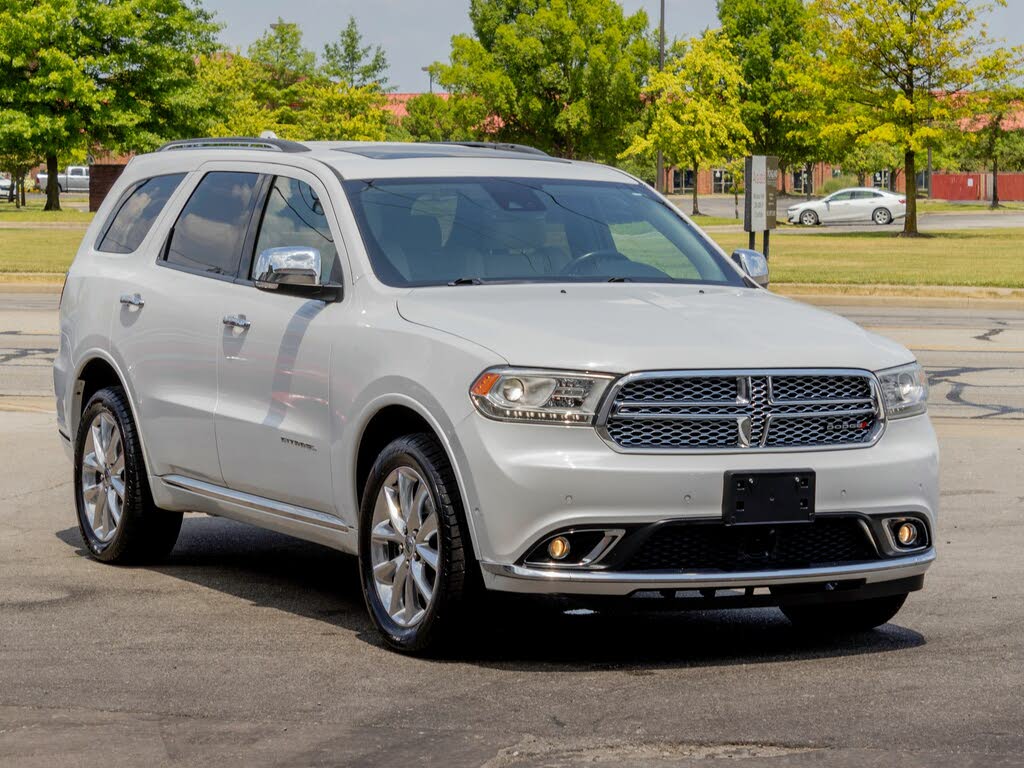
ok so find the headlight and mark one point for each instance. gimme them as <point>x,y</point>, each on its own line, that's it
<point>527,395</point>
<point>904,391</point>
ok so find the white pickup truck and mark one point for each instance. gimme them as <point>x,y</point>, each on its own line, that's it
<point>75,178</point>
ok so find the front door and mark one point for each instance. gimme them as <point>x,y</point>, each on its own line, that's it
<point>273,415</point>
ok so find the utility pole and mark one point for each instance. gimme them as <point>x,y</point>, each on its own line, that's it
<point>430,76</point>
<point>660,185</point>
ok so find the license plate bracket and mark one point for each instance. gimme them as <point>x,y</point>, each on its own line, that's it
<point>757,497</point>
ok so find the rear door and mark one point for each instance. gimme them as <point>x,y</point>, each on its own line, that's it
<point>273,414</point>
<point>166,328</point>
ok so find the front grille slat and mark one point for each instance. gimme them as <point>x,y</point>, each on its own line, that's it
<point>744,411</point>
<point>708,547</point>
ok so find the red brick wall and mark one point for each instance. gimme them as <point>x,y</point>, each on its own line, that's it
<point>101,178</point>
<point>958,186</point>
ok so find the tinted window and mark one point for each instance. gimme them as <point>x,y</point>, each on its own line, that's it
<point>839,197</point>
<point>132,220</point>
<point>294,216</point>
<point>209,232</point>
<point>434,231</point>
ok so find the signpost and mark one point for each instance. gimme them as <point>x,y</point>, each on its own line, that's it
<point>761,193</point>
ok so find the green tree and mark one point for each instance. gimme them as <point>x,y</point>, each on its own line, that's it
<point>349,61</point>
<point>997,97</point>
<point>871,153</point>
<point>697,111</point>
<point>18,151</point>
<point>329,111</point>
<point>765,35</point>
<point>239,92</point>
<point>89,73</point>
<point>436,118</point>
<point>564,76</point>
<point>895,63</point>
<point>279,50</point>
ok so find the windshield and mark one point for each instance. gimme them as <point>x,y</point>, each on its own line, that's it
<point>476,230</point>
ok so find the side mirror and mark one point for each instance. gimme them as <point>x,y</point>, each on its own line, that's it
<point>753,264</point>
<point>288,266</point>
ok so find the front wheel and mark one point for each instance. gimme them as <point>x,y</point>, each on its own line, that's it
<point>844,618</point>
<point>809,218</point>
<point>116,516</point>
<point>881,217</point>
<point>414,551</point>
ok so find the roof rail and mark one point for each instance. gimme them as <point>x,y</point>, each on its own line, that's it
<point>236,142</point>
<point>501,146</point>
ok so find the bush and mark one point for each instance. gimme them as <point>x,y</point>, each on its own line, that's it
<point>839,182</point>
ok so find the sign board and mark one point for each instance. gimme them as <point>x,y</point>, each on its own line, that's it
<point>762,193</point>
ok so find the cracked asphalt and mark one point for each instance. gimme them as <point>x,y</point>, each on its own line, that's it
<point>249,648</point>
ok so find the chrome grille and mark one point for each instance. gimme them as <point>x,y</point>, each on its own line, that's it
<point>743,411</point>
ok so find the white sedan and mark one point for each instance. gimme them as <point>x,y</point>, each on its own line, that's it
<point>847,206</point>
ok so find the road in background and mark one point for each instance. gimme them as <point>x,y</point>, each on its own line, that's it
<point>971,217</point>
<point>250,648</point>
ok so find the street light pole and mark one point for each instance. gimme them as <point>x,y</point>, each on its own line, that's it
<point>660,185</point>
<point>430,75</point>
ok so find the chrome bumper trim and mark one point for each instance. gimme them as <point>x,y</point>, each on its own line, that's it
<point>518,578</point>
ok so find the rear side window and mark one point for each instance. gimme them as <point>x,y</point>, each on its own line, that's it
<point>209,232</point>
<point>132,220</point>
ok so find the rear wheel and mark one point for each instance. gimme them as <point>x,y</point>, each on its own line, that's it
<point>882,216</point>
<point>844,618</point>
<point>116,516</point>
<point>414,551</point>
<point>809,218</point>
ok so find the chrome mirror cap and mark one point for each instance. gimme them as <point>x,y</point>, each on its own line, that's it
<point>291,265</point>
<point>753,264</point>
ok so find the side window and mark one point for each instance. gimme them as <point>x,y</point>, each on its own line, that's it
<point>130,223</point>
<point>77,172</point>
<point>294,216</point>
<point>209,232</point>
<point>841,197</point>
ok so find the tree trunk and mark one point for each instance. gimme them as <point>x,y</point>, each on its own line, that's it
<point>11,192</point>
<point>782,172</point>
<point>995,181</point>
<point>52,191</point>
<point>808,180</point>
<point>861,180</point>
<point>21,188</point>
<point>696,210</point>
<point>910,178</point>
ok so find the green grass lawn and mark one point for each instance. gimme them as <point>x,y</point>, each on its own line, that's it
<point>988,257</point>
<point>37,251</point>
<point>33,212</point>
<point>947,206</point>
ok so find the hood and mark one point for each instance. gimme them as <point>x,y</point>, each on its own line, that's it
<point>624,327</point>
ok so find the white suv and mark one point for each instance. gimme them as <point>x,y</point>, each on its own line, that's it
<point>482,369</point>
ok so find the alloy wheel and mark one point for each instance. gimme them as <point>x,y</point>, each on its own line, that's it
<point>405,546</point>
<point>103,488</point>
<point>808,218</point>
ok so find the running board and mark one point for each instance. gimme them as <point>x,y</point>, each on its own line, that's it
<point>257,509</point>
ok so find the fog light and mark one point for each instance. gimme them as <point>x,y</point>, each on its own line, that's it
<point>906,534</point>
<point>558,548</point>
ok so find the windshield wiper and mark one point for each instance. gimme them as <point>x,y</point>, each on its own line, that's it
<point>620,280</point>
<point>467,281</point>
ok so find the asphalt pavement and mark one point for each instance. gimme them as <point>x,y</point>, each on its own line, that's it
<point>249,648</point>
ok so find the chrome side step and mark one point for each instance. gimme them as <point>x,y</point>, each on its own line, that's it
<point>287,513</point>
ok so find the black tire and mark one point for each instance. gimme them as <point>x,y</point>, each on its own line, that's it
<point>882,217</point>
<point>144,532</point>
<point>809,219</point>
<point>844,618</point>
<point>455,582</point>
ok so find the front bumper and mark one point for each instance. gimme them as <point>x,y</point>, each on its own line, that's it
<point>520,578</point>
<point>524,482</point>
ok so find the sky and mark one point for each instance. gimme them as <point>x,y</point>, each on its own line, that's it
<point>415,33</point>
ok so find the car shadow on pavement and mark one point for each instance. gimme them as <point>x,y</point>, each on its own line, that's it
<point>272,570</point>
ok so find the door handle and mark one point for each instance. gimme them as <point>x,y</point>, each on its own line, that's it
<point>132,300</point>
<point>236,321</point>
